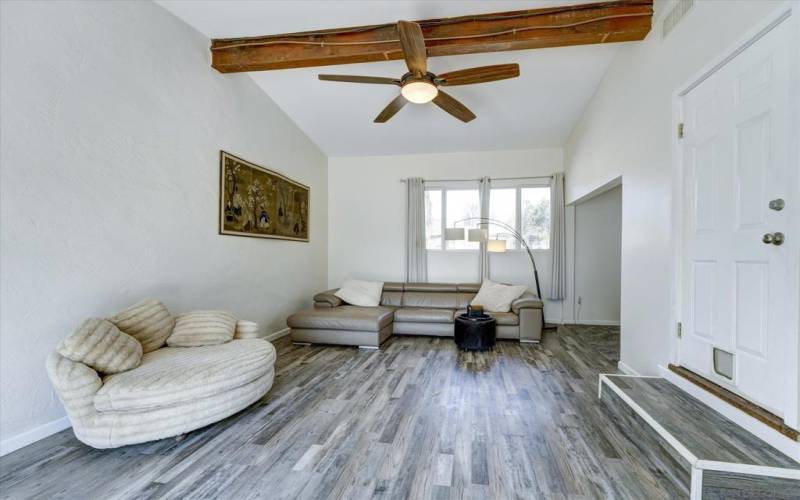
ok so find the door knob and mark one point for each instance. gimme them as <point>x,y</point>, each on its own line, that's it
<point>776,238</point>
<point>777,204</point>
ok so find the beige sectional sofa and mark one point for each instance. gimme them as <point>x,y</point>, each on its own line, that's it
<point>408,309</point>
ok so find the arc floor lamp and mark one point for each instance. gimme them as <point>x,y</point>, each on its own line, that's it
<point>481,234</point>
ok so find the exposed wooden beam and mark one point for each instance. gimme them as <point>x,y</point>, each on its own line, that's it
<point>604,22</point>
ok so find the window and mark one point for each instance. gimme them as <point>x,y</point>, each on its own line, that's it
<point>535,216</point>
<point>503,207</point>
<point>443,208</point>
<point>524,208</point>
<point>527,210</point>
<point>462,204</point>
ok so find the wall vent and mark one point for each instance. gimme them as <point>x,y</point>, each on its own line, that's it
<point>675,15</point>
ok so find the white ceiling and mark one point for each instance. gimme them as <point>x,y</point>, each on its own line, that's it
<point>538,109</point>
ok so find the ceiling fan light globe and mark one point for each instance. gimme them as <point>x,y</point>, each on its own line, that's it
<point>419,92</point>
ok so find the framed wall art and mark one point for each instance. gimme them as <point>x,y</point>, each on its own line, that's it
<point>261,203</point>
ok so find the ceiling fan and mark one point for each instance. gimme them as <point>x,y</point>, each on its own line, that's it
<point>421,86</point>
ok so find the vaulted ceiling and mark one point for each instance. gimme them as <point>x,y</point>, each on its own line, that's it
<point>538,109</point>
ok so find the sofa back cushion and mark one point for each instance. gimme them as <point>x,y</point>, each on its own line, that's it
<point>99,344</point>
<point>465,298</point>
<point>149,322</point>
<point>199,328</point>
<point>437,300</point>
<point>391,299</point>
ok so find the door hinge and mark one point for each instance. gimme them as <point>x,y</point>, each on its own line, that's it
<point>680,131</point>
<point>680,329</point>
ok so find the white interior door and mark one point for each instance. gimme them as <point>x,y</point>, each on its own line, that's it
<point>740,294</point>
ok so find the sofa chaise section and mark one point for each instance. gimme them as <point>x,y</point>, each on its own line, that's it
<point>342,325</point>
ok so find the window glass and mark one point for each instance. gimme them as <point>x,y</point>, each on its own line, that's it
<point>462,204</point>
<point>535,216</point>
<point>433,219</point>
<point>503,208</point>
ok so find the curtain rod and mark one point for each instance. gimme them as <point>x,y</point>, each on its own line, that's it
<point>490,178</point>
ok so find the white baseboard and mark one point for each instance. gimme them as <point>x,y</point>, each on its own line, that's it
<point>756,427</point>
<point>276,335</point>
<point>33,435</point>
<point>627,370</point>
<point>599,322</point>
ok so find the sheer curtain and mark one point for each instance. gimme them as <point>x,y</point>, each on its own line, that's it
<point>416,253</point>
<point>484,191</point>
<point>558,279</point>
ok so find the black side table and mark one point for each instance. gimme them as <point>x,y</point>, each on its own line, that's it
<point>474,333</point>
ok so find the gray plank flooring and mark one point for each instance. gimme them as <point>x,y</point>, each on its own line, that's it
<point>704,432</point>
<point>416,419</point>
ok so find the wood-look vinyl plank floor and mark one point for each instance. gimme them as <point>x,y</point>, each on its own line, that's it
<point>416,419</point>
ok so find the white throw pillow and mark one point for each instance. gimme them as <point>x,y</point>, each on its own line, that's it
<point>361,293</point>
<point>199,328</point>
<point>496,297</point>
<point>98,343</point>
<point>148,321</point>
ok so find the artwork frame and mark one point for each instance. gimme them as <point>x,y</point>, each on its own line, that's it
<point>258,202</point>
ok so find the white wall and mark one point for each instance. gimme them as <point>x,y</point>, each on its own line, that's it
<point>112,122</point>
<point>627,131</point>
<point>598,246</point>
<point>366,217</point>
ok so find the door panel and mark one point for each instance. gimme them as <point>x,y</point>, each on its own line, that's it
<point>739,294</point>
<point>752,307</point>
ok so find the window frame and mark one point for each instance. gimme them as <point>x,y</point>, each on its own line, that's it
<point>444,188</point>
<point>518,215</point>
<point>518,186</point>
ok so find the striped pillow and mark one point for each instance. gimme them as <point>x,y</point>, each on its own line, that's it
<point>198,328</point>
<point>246,329</point>
<point>99,344</point>
<point>149,322</point>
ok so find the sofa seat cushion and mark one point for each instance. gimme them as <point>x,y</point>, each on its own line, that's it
<point>423,315</point>
<point>177,375</point>
<point>356,318</point>
<point>503,319</point>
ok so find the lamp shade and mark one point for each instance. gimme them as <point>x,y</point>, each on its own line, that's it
<point>478,235</point>
<point>454,233</point>
<point>496,246</point>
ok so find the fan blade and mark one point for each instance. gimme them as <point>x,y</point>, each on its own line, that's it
<point>359,79</point>
<point>390,110</point>
<point>413,44</point>
<point>479,75</point>
<point>452,106</point>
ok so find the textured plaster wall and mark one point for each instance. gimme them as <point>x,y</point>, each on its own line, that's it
<point>111,126</point>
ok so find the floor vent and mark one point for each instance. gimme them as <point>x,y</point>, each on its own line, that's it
<point>675,15</point>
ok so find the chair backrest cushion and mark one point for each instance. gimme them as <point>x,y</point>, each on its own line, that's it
<point>198,328</point>
<point>99,344</point>
<point>149,322</point>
